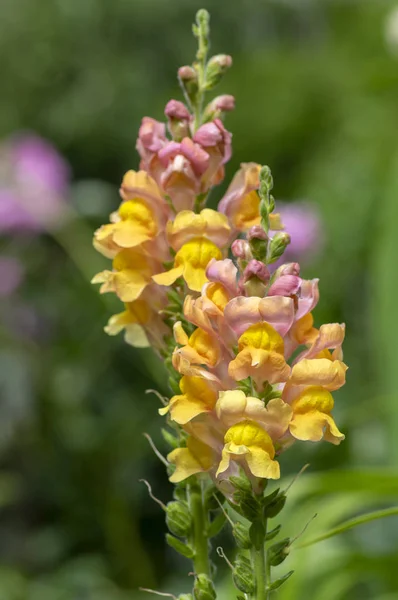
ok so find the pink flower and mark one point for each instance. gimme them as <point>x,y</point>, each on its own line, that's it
<point>302,222</point>
<point>34,180</point>
<point>177,110</point>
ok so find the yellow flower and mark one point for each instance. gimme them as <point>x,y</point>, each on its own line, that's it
<point>311,416</point>
<point>197,457</point>
<point>208,224</point>
<point>142,324</point>
<point>201,348</point>
<point>250,444</point>
<point>139,219</point>
<point>132,273</point>
<point>190,262</point>
<point>198,396</point>
<point>233,406</point>
<point>260,356</point>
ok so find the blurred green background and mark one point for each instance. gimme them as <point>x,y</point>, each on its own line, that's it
<point>316,87</point>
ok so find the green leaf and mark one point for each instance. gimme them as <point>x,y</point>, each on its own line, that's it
<point>278,582</point>
<point>179,546</point>
<point>366,518</point>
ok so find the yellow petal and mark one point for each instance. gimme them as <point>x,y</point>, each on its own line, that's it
<point>313,426</point>
<point>129,285</point>
<point>179,334</point>
<point>262,365</point>
<point>261,464</point>
<point>197,457</point>
<point>275,222</point>
<point>168,277</point>
<point>261,335</point>
<point>319,371</point>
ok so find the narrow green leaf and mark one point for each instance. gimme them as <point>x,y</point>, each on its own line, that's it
<point>278,582</point>
<point>179,546</point>
<point>366,518</point>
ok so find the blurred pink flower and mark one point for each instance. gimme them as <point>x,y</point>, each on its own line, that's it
<point>34,180</point>
<point>303,223</point>
<point>11,275</point>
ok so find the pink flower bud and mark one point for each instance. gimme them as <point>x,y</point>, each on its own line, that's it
<point>288,269</point>
<point>241,249</point>
<point>177,110</point>
<point>257,269</point>
<point>187,73</point>
<point>225,103</point>
<point>257,233</point>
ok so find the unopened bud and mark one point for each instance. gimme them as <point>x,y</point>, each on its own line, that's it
<point>277,246</point>
<point>241,249</point>
<point>188,79</point>
<point>216,68</point>
<point>258,240</point>
<point>177,110</point>
<point>241,535</point>
<point>178,518</point>
<point>288,269</point>
<point>255,278</point>
<point>179,117</point>
<point>185,597</point>
<point>277,553</point>
<point>218,106</point>
<point>203,588</point>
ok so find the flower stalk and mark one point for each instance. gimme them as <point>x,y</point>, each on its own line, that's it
<point>200,543</point>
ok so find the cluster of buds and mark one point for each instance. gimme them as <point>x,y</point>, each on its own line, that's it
<point>208,289</point>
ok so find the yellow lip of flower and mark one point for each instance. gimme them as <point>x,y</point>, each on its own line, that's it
<point>218,295</point>
<point>197,457</point>
<point>312,420</point>
<point>188,225</point>
<point>132,274</point>
<point>190,262</point>
<point>198,396</point>
<point>260,356</point>
<point>249,442</point>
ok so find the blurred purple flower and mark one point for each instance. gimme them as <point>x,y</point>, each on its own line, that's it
<point>34,180</point>
<point>11,275</point>
<point>303,223</point>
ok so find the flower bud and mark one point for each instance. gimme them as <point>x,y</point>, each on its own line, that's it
<point>218,106</point>
<point>286,285</point>
<point>255,278</point>
<point>258,240</point>
<point>188,79</point>
<point>277,246</point>
<point>288,269</point>
<point>241,249</point>
<point>179,117</point>
<point>241,535</point>
<point>178,518</point>
<point>216,68</point>
<point>203,588</point>
<point>185,597</point>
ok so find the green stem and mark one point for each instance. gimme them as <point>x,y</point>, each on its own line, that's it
<point>201,57</point>
<point>262,570</point>
<point>199,537</point>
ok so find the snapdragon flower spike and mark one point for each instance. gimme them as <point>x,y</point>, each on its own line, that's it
<point>252,374</point>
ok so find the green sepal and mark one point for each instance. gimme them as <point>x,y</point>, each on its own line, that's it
<point>216,525</point>
<point>174,386</point>
<point>212,494</point>
<point>170,439</point>
<point>257,534</point>
<point>243,574</point>
<point>274,508</point>
<point>180,492</point>
<point>179,546</point>
<point>240,598</point>
<point>270,535</point>
<point>275,585</point>
<point>277,553</point>
<point>250,508</point>
<point>241,483</point>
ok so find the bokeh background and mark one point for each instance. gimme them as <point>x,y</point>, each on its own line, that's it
<point>316,87</point>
